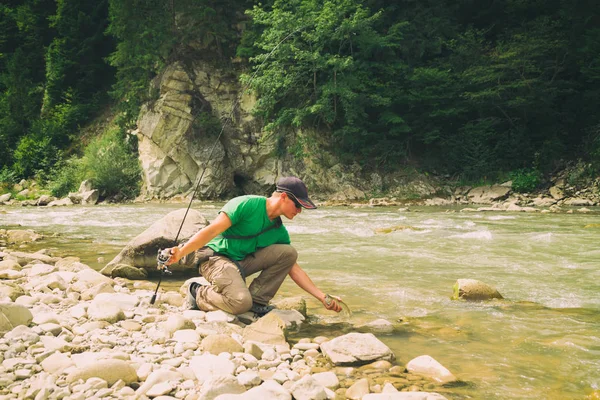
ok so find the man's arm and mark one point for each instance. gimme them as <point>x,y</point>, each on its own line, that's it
<point>302,279</point>
<point>201,238</point>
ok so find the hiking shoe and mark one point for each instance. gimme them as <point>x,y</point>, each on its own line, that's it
<point>261,309</point>
<point>190,299</point>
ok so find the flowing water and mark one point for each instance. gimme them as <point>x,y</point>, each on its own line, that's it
<point>541,342</point>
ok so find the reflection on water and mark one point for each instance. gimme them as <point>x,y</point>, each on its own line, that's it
<point>543,341</point>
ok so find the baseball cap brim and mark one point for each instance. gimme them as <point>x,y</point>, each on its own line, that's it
<point>304,202</point>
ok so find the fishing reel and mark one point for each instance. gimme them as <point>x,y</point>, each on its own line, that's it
<point>162,257</point>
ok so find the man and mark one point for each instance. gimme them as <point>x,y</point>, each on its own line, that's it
<point>248,237</point>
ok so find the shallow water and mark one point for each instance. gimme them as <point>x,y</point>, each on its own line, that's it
<point>542,342</point>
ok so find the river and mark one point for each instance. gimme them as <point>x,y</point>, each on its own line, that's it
<point>541,342</point>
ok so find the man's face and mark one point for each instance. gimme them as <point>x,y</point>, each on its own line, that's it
<point>291,207</point>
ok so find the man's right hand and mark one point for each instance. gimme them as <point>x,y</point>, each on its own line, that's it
<point>176,255</point>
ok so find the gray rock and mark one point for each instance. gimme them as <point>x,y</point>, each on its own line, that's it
<point>56,363</point>
<point>327,379</point>
<point>45,199</point>
<point>292,303</point>
<point>356,348</point>
<point>11,290</point>
<point>208,366</point>
<point>472,289</point>
<point>488,194</point>
<point>220,343</point>
<point>18,236</point>
<point>30,258</point>
<point>359,389</point>
<point>141,251</point>
<point>270,390</point>
<point>428,366</point>
<point>90,197</point>
<point>270,329</point>
<point>12,315</point>
<point>308,388</point>
<point>109,370</point>
<point>62,202</point>
<point>218,385</point>
<point>129,272</point>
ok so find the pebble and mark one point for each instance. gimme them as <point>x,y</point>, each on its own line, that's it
<point>82,320</point>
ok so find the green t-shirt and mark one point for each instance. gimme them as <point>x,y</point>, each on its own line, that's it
<point>248,215</point>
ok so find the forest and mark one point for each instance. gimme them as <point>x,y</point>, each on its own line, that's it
<point>469,90</point>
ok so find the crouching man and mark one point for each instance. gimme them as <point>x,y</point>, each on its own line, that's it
<point>246,238</point>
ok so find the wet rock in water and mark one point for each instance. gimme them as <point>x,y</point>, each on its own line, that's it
<point>142,250</point>
<point>472,289</point>
<point>358,390</point>
<point>356,348</point>
<point>44,200</point>
<point>428,366</point>
<point>18,236</point>
<point>397,228</point>
<point>379,326</point>
<point>292,303</point>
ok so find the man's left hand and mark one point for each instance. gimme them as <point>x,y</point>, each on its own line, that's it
<point>332,303</point>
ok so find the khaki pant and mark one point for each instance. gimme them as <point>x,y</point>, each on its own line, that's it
<point>228,291</point>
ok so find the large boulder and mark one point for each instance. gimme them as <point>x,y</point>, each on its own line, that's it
<point>474,290</point>
<point>488,194</point>
<point>141,252</point>
<point>356,348</point>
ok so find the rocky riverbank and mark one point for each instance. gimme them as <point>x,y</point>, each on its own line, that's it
<point>69,332</point>
<point>558,198</point>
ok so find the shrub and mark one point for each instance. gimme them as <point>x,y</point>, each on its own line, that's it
<point>35,154</point>
<point>525,180</point>
<point>112,165</point>
<point>65,177</point>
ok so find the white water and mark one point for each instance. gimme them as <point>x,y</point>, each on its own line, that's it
<point>543,341</point>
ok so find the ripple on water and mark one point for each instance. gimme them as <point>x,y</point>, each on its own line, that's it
<point>305,230</point>
<point>542,237</point>
<point>500,217</point>
<point>479,235</point>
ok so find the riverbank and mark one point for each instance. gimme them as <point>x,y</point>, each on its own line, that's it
<point>70,332</point>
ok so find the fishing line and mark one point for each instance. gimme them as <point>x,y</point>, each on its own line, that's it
<point>163,258</point>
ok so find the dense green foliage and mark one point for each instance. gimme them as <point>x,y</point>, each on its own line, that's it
<point>479,90</point>
<point>469,88</point>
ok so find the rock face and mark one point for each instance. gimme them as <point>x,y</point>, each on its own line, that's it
<point>472,289</point>
<point>141,252</point>
<point>488,194</point>
<point>176,137</point>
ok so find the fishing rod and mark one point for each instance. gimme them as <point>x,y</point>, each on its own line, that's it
<point>164,254</point>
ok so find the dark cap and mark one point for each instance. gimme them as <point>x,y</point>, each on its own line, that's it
<point>297,189</point>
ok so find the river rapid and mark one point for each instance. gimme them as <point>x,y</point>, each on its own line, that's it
<point>541,342</point>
